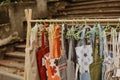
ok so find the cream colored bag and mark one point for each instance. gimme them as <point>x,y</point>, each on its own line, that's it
<point>31,70</point>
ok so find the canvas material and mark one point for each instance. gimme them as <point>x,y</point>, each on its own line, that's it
<point>95,67</point>
<point>51,59</point>
<point>30,60</point>
<point>70,62</point>
<point>62,61</point>
<point>84,57</point>
<point>116,53</point>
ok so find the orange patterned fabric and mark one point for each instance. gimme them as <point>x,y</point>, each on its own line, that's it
<point>56,43</point>
<point>52,70</point>
<point>55,53</point>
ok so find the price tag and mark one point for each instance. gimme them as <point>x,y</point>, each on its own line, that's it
<point>43,61</point>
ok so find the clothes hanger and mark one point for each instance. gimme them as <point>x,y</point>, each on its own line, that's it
<point>77,32</point>
<point>77,35</point>
<point>87,27</point>
<point>108,27</point>
<point>71,32</point>
<point>118,27</point>
<point>40,27</point>
<point>68,33</point>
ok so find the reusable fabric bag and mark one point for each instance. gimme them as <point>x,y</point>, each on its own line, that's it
<point>108,60</point>
<point>84,57</point>
<point>62,61</point>
<point>40,57</point>
<point>51,59</point>
<point>116,54</point>
<point>70,62</point>
<point>31,68</point>
<point>96,66</point>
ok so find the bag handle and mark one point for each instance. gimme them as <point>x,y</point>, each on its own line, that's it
<point>114,42</point>
<point>71,46</point>
<point>105,45</point>
<point>93,40</point>
<point>43,38</point>
<point>118,44</point>
<point>118,48</point>
<point>100,40</point>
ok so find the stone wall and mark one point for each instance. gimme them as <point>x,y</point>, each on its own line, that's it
<point>14,14</point>
<point>5,30</point>
<point>55,6</point>
<point>17,16</point>
<point>4,16</point>
<point>42,8</point>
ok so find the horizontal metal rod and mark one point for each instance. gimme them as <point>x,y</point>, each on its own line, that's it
<point>77,20</point>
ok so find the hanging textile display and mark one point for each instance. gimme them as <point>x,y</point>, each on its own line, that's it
<point>84,53</point>
<point>95,67</point>
<point>70,62</point>
<point>77,51</point>
<point>44,49</point>
<point>55,52</point>
<point>30,60</point>
<point>116,53</point>
<point>62,61</point>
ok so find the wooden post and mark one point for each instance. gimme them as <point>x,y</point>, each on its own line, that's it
<point>28,15</point>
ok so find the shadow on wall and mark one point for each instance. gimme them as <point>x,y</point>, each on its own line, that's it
<point>4,15</point>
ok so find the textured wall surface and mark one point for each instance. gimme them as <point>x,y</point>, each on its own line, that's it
<point>4,16</point>
<point>17,16</point>
<point>5,30</point>
<point>14,14</point>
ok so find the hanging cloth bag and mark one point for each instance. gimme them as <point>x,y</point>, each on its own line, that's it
<point>84,57</point>
<point>62,61</point>
<point>51,59</point>
<point>30,60</point>
<point>40,57</point>
<point>108,60</point>
<point>70,62</point>
<point>95,67</point>
<point>116,53</point>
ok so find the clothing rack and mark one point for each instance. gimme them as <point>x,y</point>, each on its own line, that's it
<point>28,16</point>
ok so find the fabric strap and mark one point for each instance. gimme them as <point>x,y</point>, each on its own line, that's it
<point>105,46</point>
<point>100,40</point>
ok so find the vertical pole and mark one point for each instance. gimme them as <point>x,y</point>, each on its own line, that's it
<point>28,15</point>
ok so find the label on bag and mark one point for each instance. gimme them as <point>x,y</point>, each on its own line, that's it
<point>43,61</point>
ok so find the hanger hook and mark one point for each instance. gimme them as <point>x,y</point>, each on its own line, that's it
<point>85,22</point>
